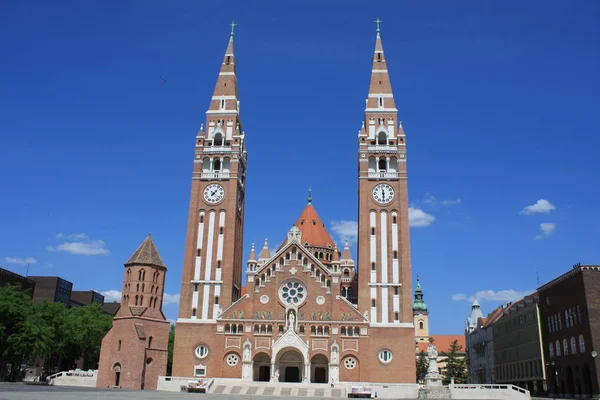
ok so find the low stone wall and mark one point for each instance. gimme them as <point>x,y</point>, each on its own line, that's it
<point>174,383</point>
<point>74,378</point>
<point>387,390</point>
<point>508,392</point>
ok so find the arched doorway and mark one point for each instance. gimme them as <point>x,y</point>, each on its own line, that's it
<point>319,369</point>
<point>117,371</point>
<point>262,367</point>
<point>290,366</point>
<point>570,381</point>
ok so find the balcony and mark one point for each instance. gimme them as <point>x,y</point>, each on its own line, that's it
<point>215,175</point>
<point>346,280</point>
<point>217,149</point>
<point>383,174</point>
<point>382,148</point>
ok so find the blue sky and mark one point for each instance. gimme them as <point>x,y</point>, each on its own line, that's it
<point>497,101</point>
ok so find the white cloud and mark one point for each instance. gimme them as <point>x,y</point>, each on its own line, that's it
<point>540,206</point>
<point>170,298</point>
<point>346,230</point>
<point>72,236</point>
<point>418,218</point>
<point>431,200</point>
<point>80,244</point>
<point>491,295</point>
<point>111,295</point>
<point>546,230</point>
<point>20,261</point>
<point>451,202</point>
<point>272,251</point>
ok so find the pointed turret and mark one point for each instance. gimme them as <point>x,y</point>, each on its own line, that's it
<point>346,255</point>
<point>419,305</point>
<point>336,254</point>
<point>264,253</point>
<point>252,256</point>
<point>146,254</point>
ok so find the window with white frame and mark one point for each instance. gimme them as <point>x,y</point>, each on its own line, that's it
<point>385,356</point>
<point>201,351</point>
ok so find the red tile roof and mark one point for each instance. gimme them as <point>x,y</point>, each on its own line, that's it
<point>442,342</point>
<point>312,228</point>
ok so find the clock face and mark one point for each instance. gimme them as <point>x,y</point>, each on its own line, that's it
<point>383,193</point>
<point>214,193</point>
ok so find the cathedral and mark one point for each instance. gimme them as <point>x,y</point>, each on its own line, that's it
<point>308,313</point>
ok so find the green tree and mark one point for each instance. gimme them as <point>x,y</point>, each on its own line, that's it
<point>170,349</point>
<point>85,328</point>
<point>15,307</point>
<point>422,365</point>
<point>456,364</point>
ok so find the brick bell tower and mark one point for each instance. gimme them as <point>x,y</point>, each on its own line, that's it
<point>212,269</point>
<point>383,231</point>
<point>134,352</point>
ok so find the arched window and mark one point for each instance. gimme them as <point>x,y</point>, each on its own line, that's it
<point>372,164</point>
<point>396,316</point>
<point>155,300</point>
<point>346,273</point>
<point>382,164</point>
<point>137,287</point>
<point>557,346</point>
<point>256,329</point>
<point>218,139</point>
<point>320,331</point>
<point>301,329</point>
<point>143,285</point>
<point>372,302</point>
<point>373,267</point>
<point>217,164</point>
<point>551,349</point>
<point>382,138</point>
<point>394,219</point>
<point>395,255</point>
<point>193,312</point>
<point>343,330</point>
<point>150,304</point>
<point>141,300</point>
<point>136,299</point>
<point>396,290</point>
<point>349,292</point>
<point>150,342</point>
<point>129,274</point>
<point>140,275</point>
<point>326,331</point>
<point>350,331</point>
<point>565,347</point>
<point>581,344</point>
<point>343,291</point>
<point>421,324</point>
<point>216,299</point>
<point>573,345</point>
<point>119,346</point>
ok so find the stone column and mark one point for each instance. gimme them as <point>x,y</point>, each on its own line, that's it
<point>273,374</point>
<point>306,378</point>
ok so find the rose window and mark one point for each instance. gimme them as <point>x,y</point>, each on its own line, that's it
<point>292,292</point>
<point>350,362</point>
<point>232,360</point>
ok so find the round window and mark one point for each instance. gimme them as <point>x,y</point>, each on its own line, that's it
<point>292,292</point>
<point>385,356</point>
<point>201,351</point>
<point>232,360</point>
<point>350,362</point>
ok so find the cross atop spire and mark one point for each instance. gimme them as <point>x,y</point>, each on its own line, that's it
<point>378,22</point>
<point>309,195</point>
<point>233,25</point>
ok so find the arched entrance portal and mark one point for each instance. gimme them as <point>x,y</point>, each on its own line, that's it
<point>290,366</point>
<point>319,368</point>
<point>262,367</point>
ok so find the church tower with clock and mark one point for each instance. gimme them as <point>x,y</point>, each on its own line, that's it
<point>384,274</point>
<point>212,275</point>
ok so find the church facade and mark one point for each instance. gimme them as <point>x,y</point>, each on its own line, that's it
<point>308,313</point>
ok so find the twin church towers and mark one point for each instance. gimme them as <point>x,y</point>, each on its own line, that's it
<point>305,314</point>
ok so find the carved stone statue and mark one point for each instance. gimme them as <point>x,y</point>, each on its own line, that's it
<point>334,355</point>
<point>247,350</point>
<point>292,321</point>
<point>433,377</point>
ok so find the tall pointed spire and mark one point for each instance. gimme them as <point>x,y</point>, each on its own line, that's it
<point>419,304</point>
<point>380,90</point>
<point>146,254</point>
<point>225,95</point>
